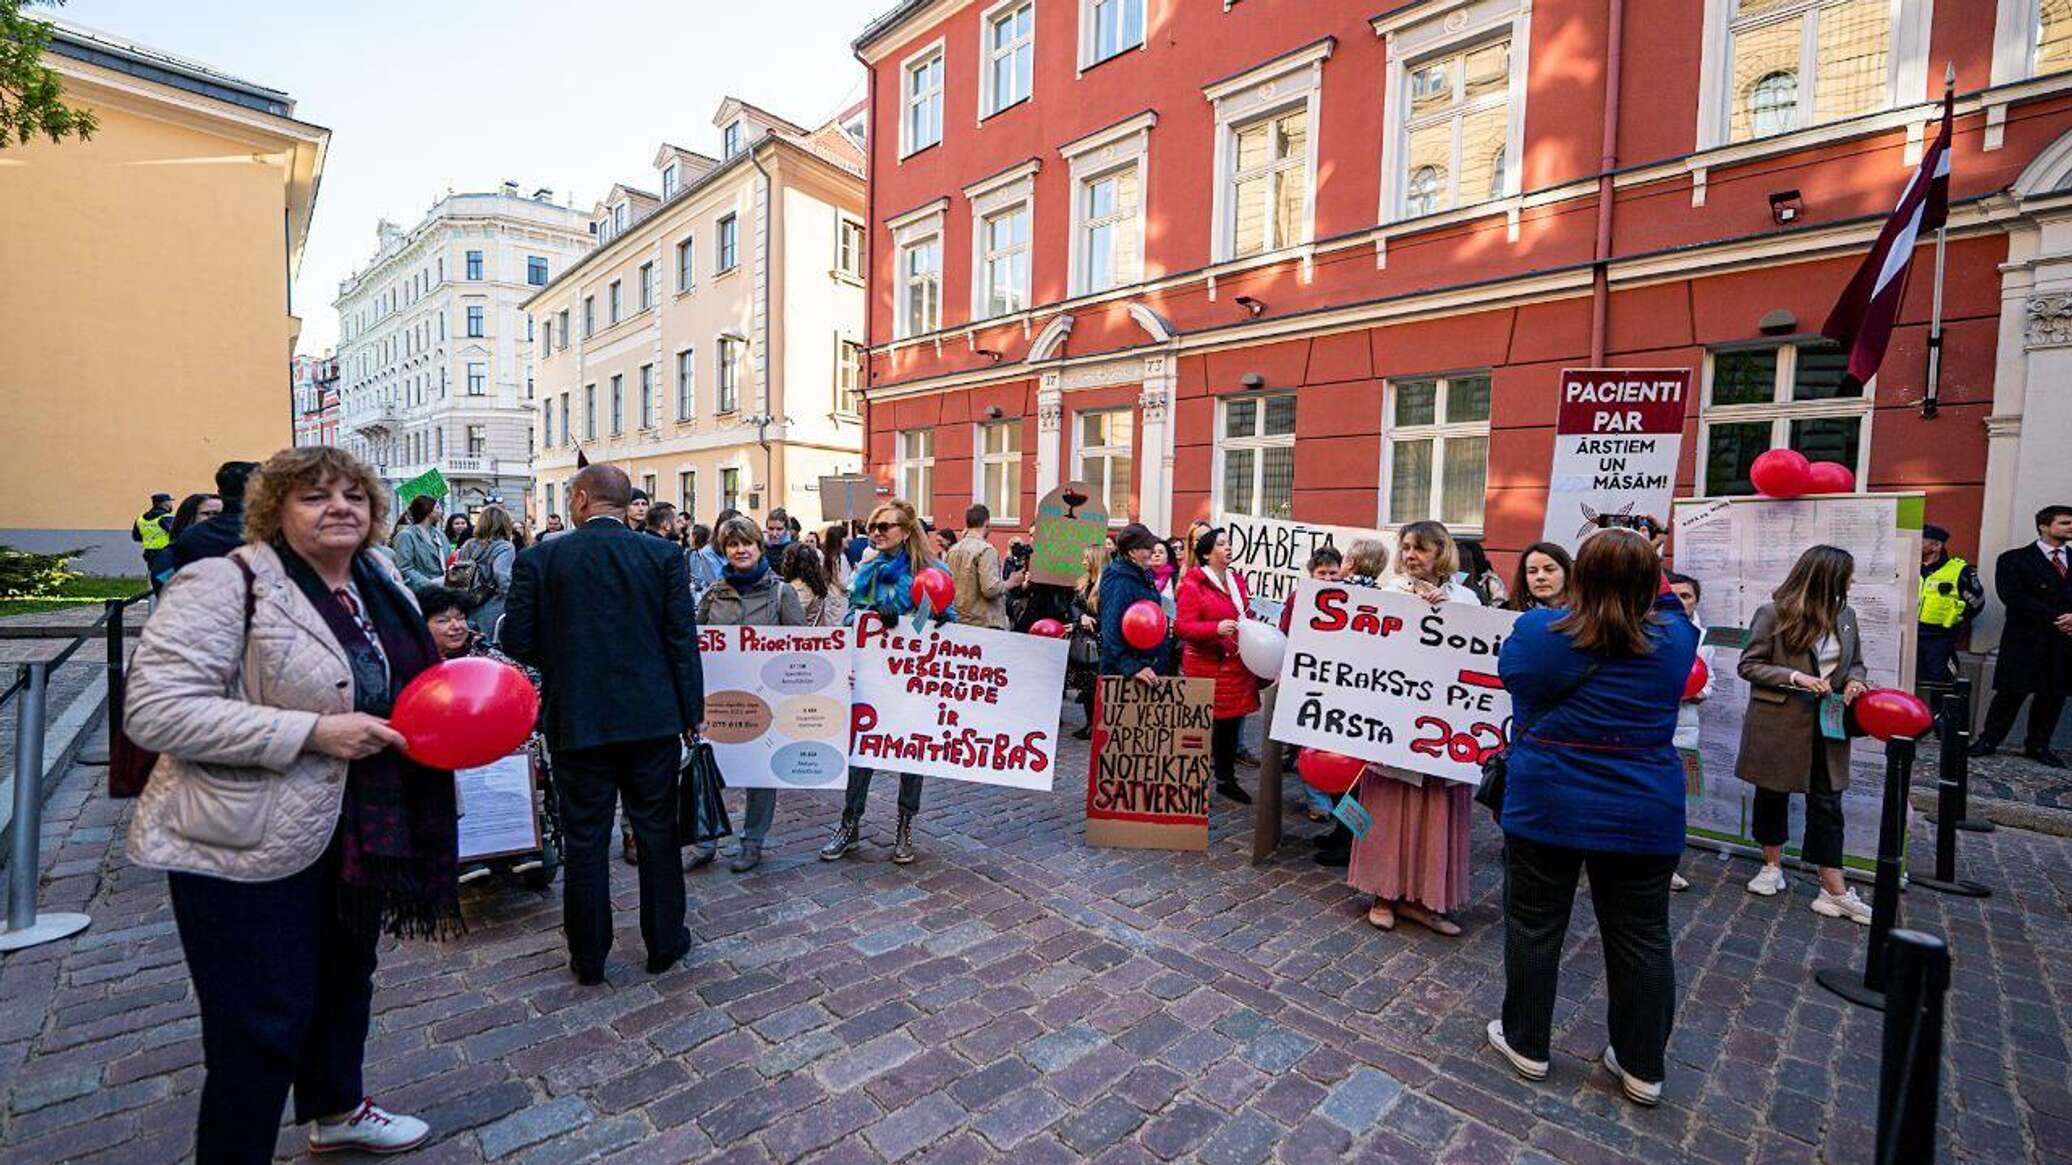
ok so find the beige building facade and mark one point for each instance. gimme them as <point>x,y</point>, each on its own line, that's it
<point>146,324</point>
<point>711,343</point>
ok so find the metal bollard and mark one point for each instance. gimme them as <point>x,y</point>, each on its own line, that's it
<point>1910,1070</point>
<point>24,928</point>
<point>1955,765</point>
<point>1868,989</point>
<point>1952,777</point>
<point>115,663</point>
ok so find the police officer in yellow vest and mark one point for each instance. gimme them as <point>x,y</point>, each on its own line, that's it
<point>1951,597</point>
<point>154,529</point>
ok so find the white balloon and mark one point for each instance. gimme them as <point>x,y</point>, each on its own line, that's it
<point>1262,647</point>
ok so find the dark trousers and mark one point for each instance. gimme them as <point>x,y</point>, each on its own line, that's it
<point>1935,663</point>
<point>859,792</point>
<point>1630,893</point>
<point>589,780</point>
<point>284,990</point>
<point>1771,814</point>
<point>2043,717</point>
<point>1223,749</point>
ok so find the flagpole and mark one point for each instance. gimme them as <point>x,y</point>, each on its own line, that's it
<point>1930,399</point>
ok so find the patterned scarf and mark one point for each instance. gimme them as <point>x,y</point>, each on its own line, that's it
<point>399,871</point>
<point>885,585</point>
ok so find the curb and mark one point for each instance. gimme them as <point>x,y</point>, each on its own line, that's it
<point>2008,814</point>
<point>63,738</point>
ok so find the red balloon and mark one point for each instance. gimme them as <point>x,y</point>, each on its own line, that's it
<point>1888,712</point>
<point>934,589</point>
<point>1695,683</point>
<point>1144,625</point>
<point>1328,772</point>
<point>1780,473</point>
<point>464,713</point>
<point>1049,629</point>
<point>1829,477</point>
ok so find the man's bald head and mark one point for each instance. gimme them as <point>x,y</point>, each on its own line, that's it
<point>599,491</point>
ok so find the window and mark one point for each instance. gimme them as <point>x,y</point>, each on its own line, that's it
<point>1009,53</point>
<point>1774,66</point>
<point>475,321</point>
<point>1000,468</point>
<point>567,436</point>
<point>1256,456</point>
<point>729,489</point>
<point>2033,38</point>
<point>1111,248</point>
<point>590,412</point>
<point>620,213</point>
<point>1457,128</point>
<point>731,138</point>
<point>727,238</point>
<point>589,316</point>
<point>560,318</point>
<point>647,396</point>
<point>1438,447</point>
<point>550,499</point>
<point>848,374</point>
<point>547,423</point>
<point>474,264</point>
<point>686,385</point>
<point>1104,459</point>
<point>920,286</point>
<point>687,492</point>
<point>618,383</point>
<point>1108,27</point>
<point>478,440</point>
<point>536,270</point>
<point>1004,262</point>
<point>669,181</point>
<point>849,248</point>
<point>614,303</point>
<point>647,485</point>
<point>442,325</point>
<point>478,379</point>
<point>913,471</point>
<point>1793,396</point>
<point>729,374</point>
<point>686,266</point>
<point>921,126</point>
<point>546,337</point>
<point>647,286</point>
<point>1269,183</point>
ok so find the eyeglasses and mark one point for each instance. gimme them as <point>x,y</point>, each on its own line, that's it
<point>883,527</point>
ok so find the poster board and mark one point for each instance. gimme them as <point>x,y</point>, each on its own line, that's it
<point>1270,554</point>
<point>1147,781</point>
<point>1739,549</point>
<point>430,483</point>
<point>1069,519</point>
<point>847,497</point>
<point>499,815</point>
<point>1616,438</point>
<point>1389,678</point>
<point>777,704</point>
<point>965,703</point>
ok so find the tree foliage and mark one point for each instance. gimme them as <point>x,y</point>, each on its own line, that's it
<point>30,95</point>
<point>28,575</point>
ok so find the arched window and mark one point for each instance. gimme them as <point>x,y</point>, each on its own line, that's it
<point>1497,166</point>
<point>1772,102</point>
<point>1426,183</point>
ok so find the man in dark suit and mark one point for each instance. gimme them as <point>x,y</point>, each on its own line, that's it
<point>606,616</point>
<point>218,536</point>
<point>2034,582</point>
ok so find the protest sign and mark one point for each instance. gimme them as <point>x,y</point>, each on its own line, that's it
<point>847,496</point>
<point>498,816</point>
<point>1391,679</point>
<point>1069,519</point>
<point>1270,554</point>
<point>959,702</point>
<point>431,483</point>
<point>1147,782</point>
<point>1616,438</point>
<point>777,704</point>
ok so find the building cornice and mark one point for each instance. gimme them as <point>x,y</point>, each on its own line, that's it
<point>1110,134</point>
<point>1288,62</point>
<point>1015,173</point>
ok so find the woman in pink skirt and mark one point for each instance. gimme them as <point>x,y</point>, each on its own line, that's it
<point>1415,858</point>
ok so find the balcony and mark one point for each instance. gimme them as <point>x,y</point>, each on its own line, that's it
<point>456,466</point>
<point>373,416</point>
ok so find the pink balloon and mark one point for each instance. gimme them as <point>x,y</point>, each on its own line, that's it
<point>1780,473</point>
<point>1048,628</point>
<point>1829,477</point>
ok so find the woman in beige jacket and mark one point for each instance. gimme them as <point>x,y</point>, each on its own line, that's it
<point>1803,653</point>
<point>292,828</point>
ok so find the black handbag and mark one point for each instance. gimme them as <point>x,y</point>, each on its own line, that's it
<point>1490,793</point>
<point>701,813</point>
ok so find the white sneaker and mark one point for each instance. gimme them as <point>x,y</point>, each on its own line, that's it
<point>1637,1090</point>
<point>370,1129</point>
<point>1844,905</point>
<point>1528,1068</point>
<point>1767,881</point>
<point>1679,883</point>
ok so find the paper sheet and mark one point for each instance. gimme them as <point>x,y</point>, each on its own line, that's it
<point>497,812</point>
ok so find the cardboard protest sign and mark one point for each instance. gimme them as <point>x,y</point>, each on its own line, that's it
<point>1147,783</point>
<point>847,496</point>
<point>1069,519</point>
<point>1270,555</point>
<point>1389,678</point>
<point>777,704</point>
<point>431,483</point>
<point>1616,439</point>
<point>959,702</point>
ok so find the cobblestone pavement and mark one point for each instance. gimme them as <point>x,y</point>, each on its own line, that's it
<point>1018,996</point>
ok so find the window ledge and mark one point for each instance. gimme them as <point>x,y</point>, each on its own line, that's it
<point>684,291</point>
<point>1088,66</point>
<point>919,150</point>
<point>1024,99</point>
<point>841,276</point>
<point>723,272</point>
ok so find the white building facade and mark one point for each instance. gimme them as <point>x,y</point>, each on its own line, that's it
<point>434,361</point>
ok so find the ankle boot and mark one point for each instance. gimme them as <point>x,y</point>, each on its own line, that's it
<point>903,840</point>
<point>843,842</point>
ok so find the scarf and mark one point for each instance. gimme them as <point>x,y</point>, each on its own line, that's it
<point>1161,575</point>
<point>884,584</point>
<point>398,868</point>
<point>746,580</point>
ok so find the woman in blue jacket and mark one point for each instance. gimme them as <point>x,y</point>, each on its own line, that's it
<point>1125,582</point>
<point>1594,781</point>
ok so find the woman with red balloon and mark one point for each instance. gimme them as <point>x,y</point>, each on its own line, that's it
<point>1803,664</point>
<point>894,581</point>
<point>1133,624</point>
<point>294,829</point>
<point>1212,601</point>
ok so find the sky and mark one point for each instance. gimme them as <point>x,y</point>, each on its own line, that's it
<point>435,94</point>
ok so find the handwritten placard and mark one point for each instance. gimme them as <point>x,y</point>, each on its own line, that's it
<point>1147,784</point>
<point>959,702</point>
<point>1272,555</point>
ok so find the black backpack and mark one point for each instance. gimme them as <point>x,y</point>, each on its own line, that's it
<point>471,574</point>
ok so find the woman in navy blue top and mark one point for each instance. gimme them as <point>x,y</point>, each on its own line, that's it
<point>1594,781</point>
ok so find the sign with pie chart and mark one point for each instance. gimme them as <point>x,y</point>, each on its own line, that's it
<point>777,705</point>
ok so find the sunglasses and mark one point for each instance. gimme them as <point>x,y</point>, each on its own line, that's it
<point>883,527</point>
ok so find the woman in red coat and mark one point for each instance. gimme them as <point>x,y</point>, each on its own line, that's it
<point>1212,599</point>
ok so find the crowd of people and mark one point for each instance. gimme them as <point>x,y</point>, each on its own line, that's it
<point>295,831</point>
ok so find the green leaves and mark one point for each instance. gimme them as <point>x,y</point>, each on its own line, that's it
<point>30,95</point>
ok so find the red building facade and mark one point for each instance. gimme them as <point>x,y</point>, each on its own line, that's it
<point>1295,259</point>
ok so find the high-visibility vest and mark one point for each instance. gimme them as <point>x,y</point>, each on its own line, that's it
<point>152,532</point>
<point>1942,601</point>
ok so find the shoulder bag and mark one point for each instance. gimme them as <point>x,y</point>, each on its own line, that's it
<point>1490,793</point>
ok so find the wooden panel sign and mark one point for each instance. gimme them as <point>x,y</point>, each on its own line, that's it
<point>1147,785</point>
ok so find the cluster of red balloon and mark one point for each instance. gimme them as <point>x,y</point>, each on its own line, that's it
<point>1785,473</point>
<point>464,713</point>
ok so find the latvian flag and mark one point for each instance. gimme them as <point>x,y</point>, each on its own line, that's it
<point>1862,319</point>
